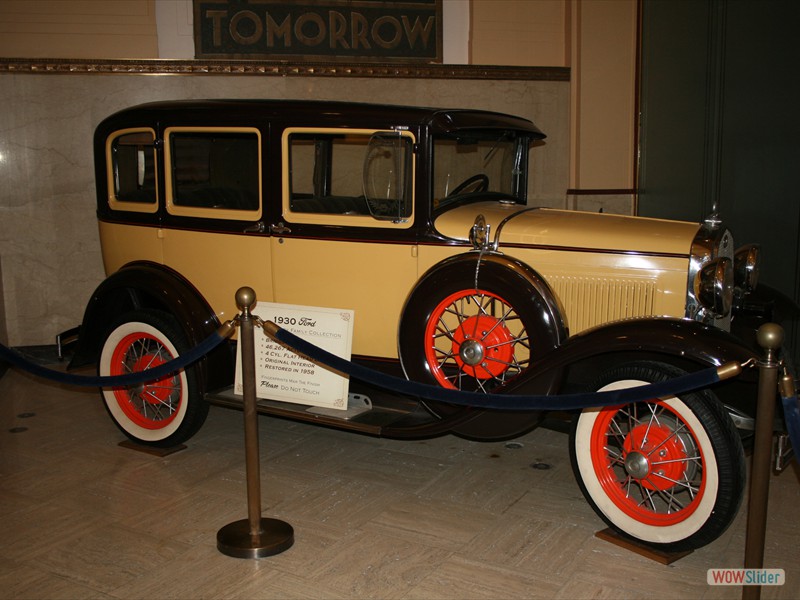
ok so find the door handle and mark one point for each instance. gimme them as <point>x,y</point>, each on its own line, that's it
<point>279,229</point>
<point>257,228</point>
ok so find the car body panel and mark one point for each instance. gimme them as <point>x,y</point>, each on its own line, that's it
<point>552,228</point>
<point>597,268</point>
<point>123,243</point>
<point>219,273</point>
<point>348,275</point>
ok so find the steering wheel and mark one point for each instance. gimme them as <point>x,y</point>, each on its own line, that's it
<point>480,181</point>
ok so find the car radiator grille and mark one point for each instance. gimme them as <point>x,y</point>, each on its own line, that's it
<point>591,301</point>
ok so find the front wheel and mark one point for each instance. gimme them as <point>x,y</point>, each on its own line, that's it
<point>476,326</point>
<point>476,338</point>
<point>160,413</point>
<point>666,472</point>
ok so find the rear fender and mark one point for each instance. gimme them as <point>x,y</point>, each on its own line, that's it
<point>141,285</point>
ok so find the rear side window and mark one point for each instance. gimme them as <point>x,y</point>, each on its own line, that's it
<point>214,173</point>
<point>131,160</point>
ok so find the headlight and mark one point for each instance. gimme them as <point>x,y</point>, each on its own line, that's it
<point>746,267</point>
<point>713,286</point>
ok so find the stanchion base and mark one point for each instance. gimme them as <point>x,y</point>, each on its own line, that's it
<point>665,558</point>
<point>235,540</point>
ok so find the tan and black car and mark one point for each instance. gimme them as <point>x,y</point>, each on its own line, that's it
<point>420,221</point>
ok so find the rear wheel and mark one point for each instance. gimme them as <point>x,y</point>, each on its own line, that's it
<point>667,472</point>
<point>161,413</point>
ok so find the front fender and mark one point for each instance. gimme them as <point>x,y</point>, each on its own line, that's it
<point>510,270</point>
<point>150,285</point>
<point>677,339</point>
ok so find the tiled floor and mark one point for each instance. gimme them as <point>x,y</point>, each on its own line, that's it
<point>373,518</point>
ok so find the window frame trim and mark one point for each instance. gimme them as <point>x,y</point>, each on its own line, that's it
<point>362,221</point>
<point>225,214</point>
<point>114,203</point>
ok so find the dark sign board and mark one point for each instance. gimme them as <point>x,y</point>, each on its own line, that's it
<point>319,30</point>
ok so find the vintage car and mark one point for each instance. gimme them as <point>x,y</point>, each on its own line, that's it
<point>419,221</point>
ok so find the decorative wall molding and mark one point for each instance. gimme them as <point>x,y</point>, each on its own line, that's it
<point>61,66</point>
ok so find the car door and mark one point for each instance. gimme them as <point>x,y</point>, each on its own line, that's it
<point>213,188</point>
<point>345,238</point>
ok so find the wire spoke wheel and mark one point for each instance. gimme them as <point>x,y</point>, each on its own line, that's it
<point>152,404</point>
<point>480,325</point>
<point>163,412</point>
<point>475,341</point>
<point>667,472</point>
<point>648,462</point>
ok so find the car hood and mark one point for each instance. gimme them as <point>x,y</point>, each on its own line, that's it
<point>570,229</point>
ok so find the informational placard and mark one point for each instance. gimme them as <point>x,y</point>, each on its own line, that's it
<point>283,375</point>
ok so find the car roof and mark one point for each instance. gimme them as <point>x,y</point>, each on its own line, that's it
<point>331,113</point>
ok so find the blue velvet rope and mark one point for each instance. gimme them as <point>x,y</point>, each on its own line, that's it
<point>791,413</point>
<point>172,366</point>
<point>672,387</point>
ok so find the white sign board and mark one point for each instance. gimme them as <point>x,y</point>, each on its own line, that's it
<point>283,375</point>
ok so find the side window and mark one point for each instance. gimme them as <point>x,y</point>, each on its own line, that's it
<point>131,160</point>
<point>214,173</point>
<point>349,173</point>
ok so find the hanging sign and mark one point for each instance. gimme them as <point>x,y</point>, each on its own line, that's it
<point>371,30</point>
<point>285,376</point>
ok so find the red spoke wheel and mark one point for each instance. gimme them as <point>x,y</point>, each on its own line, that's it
<point>163,412</point>
<point>649,463</point>
<point>477,326</point>
<point>154,404</point>
<point>666,472</point>
<point>475,336</point>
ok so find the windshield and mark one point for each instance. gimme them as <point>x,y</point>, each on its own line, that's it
<point>475,165</point>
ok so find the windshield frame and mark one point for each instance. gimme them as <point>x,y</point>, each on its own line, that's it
<point>470,159</point>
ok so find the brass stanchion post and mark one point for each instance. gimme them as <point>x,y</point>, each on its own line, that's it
<point>770,338</point>
<point>254,537</point>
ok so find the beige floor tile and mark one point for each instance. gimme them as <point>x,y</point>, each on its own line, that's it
<point>373,565</point>
<point>108,557</point>
<point>430,522</point>
<point>18,580</point>
<point>373,518</point>
<point>35,528</point>
<point>199,572</point>
<point>460,578</point>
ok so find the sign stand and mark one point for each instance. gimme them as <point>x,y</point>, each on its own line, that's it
<point>256,536</point>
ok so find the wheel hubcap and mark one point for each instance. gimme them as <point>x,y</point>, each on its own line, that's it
<point>637,465</point>
<point>471,352</point>
<point>483,347</point>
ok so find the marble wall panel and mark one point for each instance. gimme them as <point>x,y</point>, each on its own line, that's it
<point>48,234</point>
<point>3,329</point>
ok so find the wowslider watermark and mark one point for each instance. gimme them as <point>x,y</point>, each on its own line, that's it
<point>746,577</point>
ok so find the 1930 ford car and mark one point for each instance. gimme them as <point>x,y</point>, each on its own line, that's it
<point>418,220</point>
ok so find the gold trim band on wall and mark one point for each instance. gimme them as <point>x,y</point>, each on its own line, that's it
<point>279,69</point>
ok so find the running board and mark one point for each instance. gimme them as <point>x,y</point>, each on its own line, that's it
<point>362,414</point>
